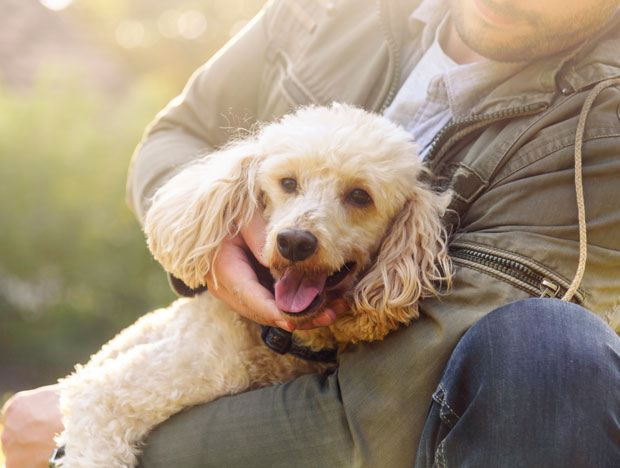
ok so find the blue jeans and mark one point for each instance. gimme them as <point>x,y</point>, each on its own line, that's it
<point>535,383</point>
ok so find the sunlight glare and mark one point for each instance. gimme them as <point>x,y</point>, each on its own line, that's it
<point>56,5</point>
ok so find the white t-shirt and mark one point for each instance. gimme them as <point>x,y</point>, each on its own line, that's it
<point>415,106</point>
<point>439,90</point>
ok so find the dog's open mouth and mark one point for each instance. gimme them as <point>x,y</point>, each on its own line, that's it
<point>299,294</point>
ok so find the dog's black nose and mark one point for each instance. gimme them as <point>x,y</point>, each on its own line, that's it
<point>296,245</point>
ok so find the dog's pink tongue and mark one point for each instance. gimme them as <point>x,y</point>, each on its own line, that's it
<point>296,291</point>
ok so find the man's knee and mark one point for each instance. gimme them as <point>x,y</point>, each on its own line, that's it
<point>537,373</point>
<point>539,334</point>
<point>539,357</point>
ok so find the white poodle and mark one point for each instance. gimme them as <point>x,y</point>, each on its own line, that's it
<point>347,215</point>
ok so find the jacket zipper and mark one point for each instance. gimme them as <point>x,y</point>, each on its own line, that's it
<point>458,129</point>
<point>531,277</point>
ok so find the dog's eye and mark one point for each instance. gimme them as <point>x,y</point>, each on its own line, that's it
<point>359,197</point>
<point>289,185</point>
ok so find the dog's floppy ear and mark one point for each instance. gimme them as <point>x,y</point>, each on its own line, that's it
<point>412,259</point>
<point>199,207</point>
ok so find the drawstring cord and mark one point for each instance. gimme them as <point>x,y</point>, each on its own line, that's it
<point>581,211</point>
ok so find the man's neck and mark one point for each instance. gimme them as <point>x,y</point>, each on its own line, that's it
<point>457,50</point>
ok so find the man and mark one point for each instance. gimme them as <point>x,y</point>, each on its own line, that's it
<point>493,92</point>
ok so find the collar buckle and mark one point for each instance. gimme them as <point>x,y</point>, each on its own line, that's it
<point>281,341</point>
<point>277,339</point>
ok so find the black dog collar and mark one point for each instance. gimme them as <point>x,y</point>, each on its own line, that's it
<point>282,342</point>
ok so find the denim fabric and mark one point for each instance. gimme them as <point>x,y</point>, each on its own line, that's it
<point>535,383</point>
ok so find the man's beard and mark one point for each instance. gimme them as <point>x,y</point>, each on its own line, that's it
<point>532,37</point>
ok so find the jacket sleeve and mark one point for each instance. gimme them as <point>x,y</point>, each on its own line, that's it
<point>369,413</point>
<point>197,121</point>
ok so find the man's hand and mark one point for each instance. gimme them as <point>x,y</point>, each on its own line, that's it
<point>31,419</point>
<point>238,285</point>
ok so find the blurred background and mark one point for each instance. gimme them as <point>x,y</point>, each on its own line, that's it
<point>79,82</point>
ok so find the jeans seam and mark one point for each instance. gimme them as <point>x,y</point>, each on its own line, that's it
<point>444,405</point>
<point>440,456</point>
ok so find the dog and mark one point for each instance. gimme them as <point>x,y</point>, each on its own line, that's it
<point>349,214</point>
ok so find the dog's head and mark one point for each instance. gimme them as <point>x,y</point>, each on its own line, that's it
<point>347,215</point>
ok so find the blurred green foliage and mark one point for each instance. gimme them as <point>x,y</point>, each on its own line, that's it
<point>74,267</point>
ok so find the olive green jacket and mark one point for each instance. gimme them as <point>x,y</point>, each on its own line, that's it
<point>514,219</point>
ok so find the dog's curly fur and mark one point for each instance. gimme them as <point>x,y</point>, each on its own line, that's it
<point>392,244</point>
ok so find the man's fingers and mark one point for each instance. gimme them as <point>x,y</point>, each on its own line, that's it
<point>231,265</point>
<point>255,303</point>
<point>238,286</point>
<point>328,316</point>
<point>254,236</point>
<point>258,304</point>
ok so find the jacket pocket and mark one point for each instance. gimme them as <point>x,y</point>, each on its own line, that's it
<point>521,272</point>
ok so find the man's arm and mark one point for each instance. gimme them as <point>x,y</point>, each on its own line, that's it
<point>219,94</point>
<point>200,119</point>
<point>369,413</point>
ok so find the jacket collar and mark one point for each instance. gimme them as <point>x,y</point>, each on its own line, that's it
<point>538,82</point>
<point>595,61</point>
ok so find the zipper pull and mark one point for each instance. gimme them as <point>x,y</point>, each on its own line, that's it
<point>549,288</point>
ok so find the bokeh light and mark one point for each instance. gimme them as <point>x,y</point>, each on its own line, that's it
<point>56,4</point>
<point>130,34</point>
<point>79,82</point>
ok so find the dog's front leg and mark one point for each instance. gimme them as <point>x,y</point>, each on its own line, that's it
<point>194,354</point>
